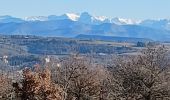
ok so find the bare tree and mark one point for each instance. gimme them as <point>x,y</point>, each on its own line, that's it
<point>80,79</point>
<point>145,77</point>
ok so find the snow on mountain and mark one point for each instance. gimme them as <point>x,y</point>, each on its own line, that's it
<point>83,18</point>
<point>89,19</point>
<point>36,18</point>
<point>122,21</point>
<point>101,18</point>
<point>70,24</point>
<point>73,17</point>
<point>86,18</point>
<point>70,16</point>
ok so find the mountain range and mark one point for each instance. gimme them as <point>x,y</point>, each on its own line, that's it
<point>71,25</point>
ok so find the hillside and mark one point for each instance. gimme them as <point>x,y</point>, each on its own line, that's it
<point>112,38</point>
<point>27,49</point>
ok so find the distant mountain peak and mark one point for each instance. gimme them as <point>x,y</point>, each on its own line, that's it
<point>7,19</point>
<point>84,17</point>
<point>5,16</point>
<point>157,24</point>
<point>101,18</point>
<point>72,16</point>
<point>123,21</point>
<point>85,14</point>
<point>36,18</point>
<point>71,24</point>
<point>87,18</point>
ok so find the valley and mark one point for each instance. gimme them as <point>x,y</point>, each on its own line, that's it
<point>27,50</point>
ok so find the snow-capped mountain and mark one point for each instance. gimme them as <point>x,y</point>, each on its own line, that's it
<point>89,19</point>
<point>83,18</point>
<point>70,25</point>
<point>71,16</point>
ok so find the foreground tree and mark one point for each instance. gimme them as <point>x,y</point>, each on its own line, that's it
<point>80,79</point>
<point>146,77</point>
<point>5,87</point>
<point>37,86</point>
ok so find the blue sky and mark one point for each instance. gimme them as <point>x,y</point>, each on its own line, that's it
<point>136,9</point>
